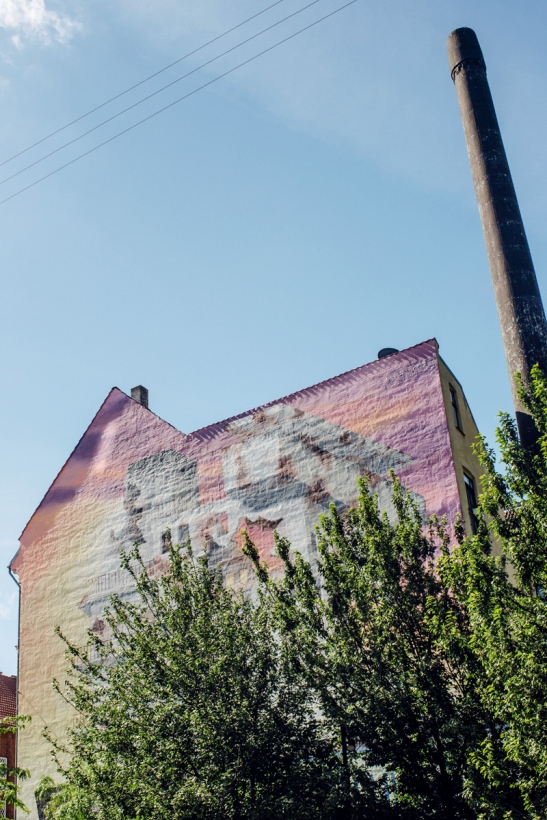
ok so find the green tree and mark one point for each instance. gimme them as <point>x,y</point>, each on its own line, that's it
<point>503,591</point>
<point>9,777</point>
<point>194,709</point>
<point>387,650</point>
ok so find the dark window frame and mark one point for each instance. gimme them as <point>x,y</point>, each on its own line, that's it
<point>472,500</point>
<point>454,401</point>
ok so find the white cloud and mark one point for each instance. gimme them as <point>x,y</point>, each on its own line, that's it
<point>31,18</point>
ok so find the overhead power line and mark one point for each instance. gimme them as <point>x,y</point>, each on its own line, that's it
<point>180,99</point>
<point>158,91</point>
<point>141,82</point>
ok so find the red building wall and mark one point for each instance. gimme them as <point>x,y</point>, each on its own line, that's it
<point>8,708</point>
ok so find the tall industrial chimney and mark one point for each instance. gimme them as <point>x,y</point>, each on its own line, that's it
<point>520,309</point>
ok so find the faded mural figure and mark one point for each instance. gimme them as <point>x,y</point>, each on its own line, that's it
<point>282,469</point>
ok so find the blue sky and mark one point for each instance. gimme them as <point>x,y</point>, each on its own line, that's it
<point>273,230</point>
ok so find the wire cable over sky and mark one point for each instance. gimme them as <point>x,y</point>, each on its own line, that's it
<point>141,82</point>
<point>180,99</point>
<point>158,91</point>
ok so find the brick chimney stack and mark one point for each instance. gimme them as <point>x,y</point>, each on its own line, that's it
<point>140,395</point>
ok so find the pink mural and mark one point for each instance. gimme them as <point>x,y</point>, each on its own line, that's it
<point>276,467</point>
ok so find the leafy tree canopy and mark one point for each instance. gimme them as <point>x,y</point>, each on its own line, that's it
<point>503,592</point>
<point>196,708</point>
<point>9,776</point>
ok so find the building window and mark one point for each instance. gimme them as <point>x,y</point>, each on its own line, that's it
<point>471,501</point>
<point>455,408</point>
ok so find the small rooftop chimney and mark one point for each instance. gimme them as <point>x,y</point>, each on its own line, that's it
<point>386,351</point>
<point>140,395</point>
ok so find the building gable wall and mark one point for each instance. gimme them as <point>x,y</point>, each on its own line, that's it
<point>276,467</point>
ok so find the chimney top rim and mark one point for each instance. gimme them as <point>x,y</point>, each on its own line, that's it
<point>463,44</point>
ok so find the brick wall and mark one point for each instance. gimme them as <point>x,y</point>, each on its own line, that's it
<point>8,708</point>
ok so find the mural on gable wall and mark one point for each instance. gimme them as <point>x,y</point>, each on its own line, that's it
<point>132,476</point>
<point>285,468</point>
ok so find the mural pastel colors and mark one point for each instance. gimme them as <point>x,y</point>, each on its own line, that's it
<point>277,467</point>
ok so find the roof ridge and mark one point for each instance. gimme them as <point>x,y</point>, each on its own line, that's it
<point>215,425</point>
